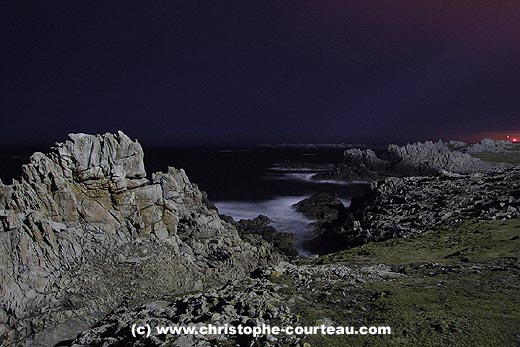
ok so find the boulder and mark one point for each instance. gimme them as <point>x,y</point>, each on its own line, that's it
<point>261,226</point>
<point>334,229</point>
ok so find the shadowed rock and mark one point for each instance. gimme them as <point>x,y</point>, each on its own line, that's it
<point>260,228</point>
<point>335,228</point>
<point>409,206</point>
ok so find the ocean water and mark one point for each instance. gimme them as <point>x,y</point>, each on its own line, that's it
<point>246,183</point>
<point>243,183</point>
<point>281,212</point>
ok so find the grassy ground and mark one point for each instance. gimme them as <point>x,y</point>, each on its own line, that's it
<point>461,287</point>
<point>468,241</point>
<point>509,157</point>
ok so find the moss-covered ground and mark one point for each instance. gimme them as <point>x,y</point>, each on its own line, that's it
<point>512,157</point>
<point>460,287</point>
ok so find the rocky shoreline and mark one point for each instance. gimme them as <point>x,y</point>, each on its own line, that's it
<point>419,159</point>
<point>85,230</point>
<point>409,206</point>
<point>416,188</point>
<point>90,244</point>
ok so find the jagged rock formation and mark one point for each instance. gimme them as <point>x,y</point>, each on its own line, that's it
<point>418,159</point>
<point>85,230</point>
<point>358,164</point>
<point>491,146</point>
<point>432,158</point>
<point>403,207</point>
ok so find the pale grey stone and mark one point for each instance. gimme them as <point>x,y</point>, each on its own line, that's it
<point>83,208</point>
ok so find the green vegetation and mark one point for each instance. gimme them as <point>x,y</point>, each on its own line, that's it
<point>468,241</point>
<point>461,287</point>
<point>507,157</point>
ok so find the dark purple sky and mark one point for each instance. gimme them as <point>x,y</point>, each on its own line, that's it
<point>243,72</point>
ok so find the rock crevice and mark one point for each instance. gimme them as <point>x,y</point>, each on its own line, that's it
<point>79,213</point>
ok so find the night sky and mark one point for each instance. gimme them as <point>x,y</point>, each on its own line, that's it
<point>243,72</point>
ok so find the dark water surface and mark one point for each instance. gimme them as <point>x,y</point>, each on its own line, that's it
<point>243,183</point>
<point>248,182</point>
<point>250,174</point>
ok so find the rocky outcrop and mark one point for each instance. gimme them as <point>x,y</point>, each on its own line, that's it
<point>260,228</point>
<point>321,206</point>
<point>85,230</point>
<point>408,206</point>
<point>248,303</point>
<point>418,159</point>
<point>404,207</point>
<point>335,228</point>
<point>491,146</point>
<point>358,164</point>
<point>432,158</point>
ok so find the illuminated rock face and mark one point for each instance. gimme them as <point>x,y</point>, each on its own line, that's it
<point>432,158</point>
<point>85,229</point>
<point>418,159</point>
<point>493,146</point>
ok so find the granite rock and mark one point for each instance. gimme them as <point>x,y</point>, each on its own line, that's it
<point>418,159</point>
<point>404,207</point>
<point>85,230</point>
<point>491,146</point>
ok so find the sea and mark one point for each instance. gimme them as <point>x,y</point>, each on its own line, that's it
<point>242,182</point>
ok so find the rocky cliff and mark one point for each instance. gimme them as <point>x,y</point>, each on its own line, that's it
<point>85,230</point>
<point>468,259</point>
